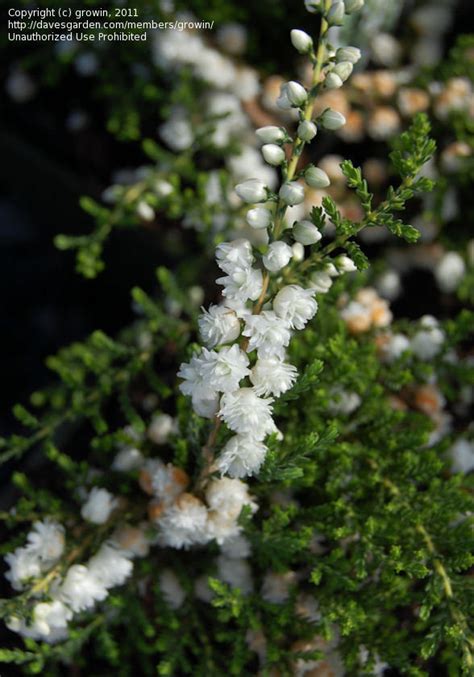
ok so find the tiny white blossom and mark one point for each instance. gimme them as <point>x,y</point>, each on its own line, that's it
<point>306,233</point>
<point>268,333</point>
<point>292,193</point>
<point>307,130</point>
<point>241,456</point>
<point>320,282</point>
<point>206,407</point>
<point>235,254</point>
<point>301,41</point>
<point>50,616</point>
<point>242,284</point>
<point>273,154</point>
<point>449,272</point>
<point>394,347</point>
<point>23,564</point>
<point>110,566</point>
<point>246,413</point>
<point>228,496</point>
<point>160,428</point>
<point>252,190</point>
<point>184,523</point>
<point>194,383</point>
<point>80,590</point>
<point>224,370</point>
<point>295,305</point>
<point>462,454</point>
<point>332,120</point>
<point>278,256</point>
<point>218,325</point>
<point>98,506</point>
<point>427,343</point>
<point>271,134</point>
<point>316,177</point>
<point>343,401</point>
<point>272,376</point>
<point>46,541</point>
<point>127,459</point>
<point>259,217</point>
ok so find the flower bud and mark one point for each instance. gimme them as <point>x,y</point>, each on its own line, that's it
<point>301,41</point>
<point>271,134</point>
<point>353,5</point>
<point>316,178</point>
<point>259,217</point>
<point>312,6</point>
<point>320,282</point>
<point>343,69</point>
<point>335,15</point>
<point>332,120</point>
<point>345,264</point>
<point>296,93</point>
<point>144,211</point>
<point>351,54</point>
<point>307,130</point>
<point>292,193</point>
<point>306,233</point>
<point>277,256</point>
<point>252,190</point>
<point>162,188</point>
<point>273,154</point>
<point>298,252</point>
<point>332,81</point>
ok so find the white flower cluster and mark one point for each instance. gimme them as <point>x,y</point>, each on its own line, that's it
<point>214,378</point>
<point>45,545</point>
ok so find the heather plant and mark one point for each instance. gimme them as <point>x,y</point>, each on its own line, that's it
<point>262,485</point>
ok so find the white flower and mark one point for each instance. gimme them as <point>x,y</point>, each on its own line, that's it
<point>241,456</point>
<point>271,376</point>
<point>343,401</point>
<point>144,211</point>
<point>273,154</point>
<point>278,256</point>
<point>252,190</point>
<point>271,134</point>
<point>49,616</point>
<point>233,255</point>
<point>171,589</point>
<point>242,284</point>
<point>301,41</point>
<point>427,343</point>
<point>110,566</point>
<point>194,383</point>
<point>224,370</point>
<point>132,541</point>
<point>332,120</point>
<point>80,589</point>
<point>292,193</point>
<point>23,564</point>
<point>307,130</point>
<point>394,347</point>
<point>335,16</point>
<point>218,325</point>
<point>293,93</point>
<point>351,54</point>
<point>316,178</point>
<point>236,573</point>
<point>177,132</point>
<point>160,428</point>
<point>450,271</point>
<point>343,70</point>
<point>462,454</point>
<point>246,413</point>
<point>320,282</point>
<point>46,541</point>
<point>259,217</point>
<point>268,333</point>
<point>98,506</point>
<point>228,497</point>
<point>389,285</point>
<point>333,81</point>
<point>295,305</point>
<point>184,523</point>
<point>345,264</point>
<point>166,482</point>
<point>306,233</point>
<point>297,252</point>
<point>127,459</point>
<point>206,407</point>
